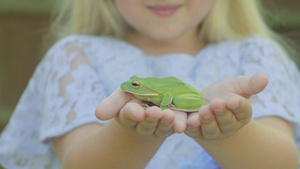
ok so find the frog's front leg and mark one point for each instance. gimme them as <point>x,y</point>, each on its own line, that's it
<point>166,101</point>
<point>188,102</point>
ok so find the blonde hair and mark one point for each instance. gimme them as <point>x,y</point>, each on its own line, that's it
<point>234,19</point>
<point>227,20</point>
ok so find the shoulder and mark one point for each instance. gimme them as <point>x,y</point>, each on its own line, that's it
<point>87,40</point>
<point>262,50</point>
<point>95,46</point>
<point>255,39</point>
<point>70,47</point>
<point>256,45</point>
<point>253,44</point>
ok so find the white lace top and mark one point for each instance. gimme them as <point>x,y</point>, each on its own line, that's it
<point>78,72</point>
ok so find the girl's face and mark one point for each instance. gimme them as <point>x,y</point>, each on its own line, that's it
<point>164,19</point>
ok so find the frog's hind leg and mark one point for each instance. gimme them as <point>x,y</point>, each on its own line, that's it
<point>187,102</point>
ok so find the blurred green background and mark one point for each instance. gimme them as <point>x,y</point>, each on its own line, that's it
<point>23,24</point>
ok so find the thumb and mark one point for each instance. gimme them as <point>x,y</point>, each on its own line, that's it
<point>258,82</point>
<point>251,85</point>
<point>111,106</point>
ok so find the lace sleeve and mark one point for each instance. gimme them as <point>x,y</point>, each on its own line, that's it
<point>281,97</point>
<point>72,88</point>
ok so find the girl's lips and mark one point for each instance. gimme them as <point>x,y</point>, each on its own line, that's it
<point>164,11</point>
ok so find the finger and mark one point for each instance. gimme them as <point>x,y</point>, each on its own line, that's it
<point>258,82</point>
<point>149,124</point>
<point>165,126</point>
<point>209,126</point>
<point>241,108</point>
<point>168,116</point>
<point>193,120</point>
<point>193,125</point>
<point>110,107</point>
<point>250,85</point>
<point>225,118</point>
<point>194,132</point>
<point>130,114</point>
<point>179,121</point>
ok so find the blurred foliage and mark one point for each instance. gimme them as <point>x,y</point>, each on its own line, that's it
<point>5,113</point>
<point>26,6</point>
<point>285,19</point>
<point>280,13</point>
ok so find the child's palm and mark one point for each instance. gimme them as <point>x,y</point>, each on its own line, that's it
<point>229,107</point>
<point>151,123</point>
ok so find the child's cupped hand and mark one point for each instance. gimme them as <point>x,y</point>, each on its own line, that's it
<point>149,123</point>
<point>228,109</point>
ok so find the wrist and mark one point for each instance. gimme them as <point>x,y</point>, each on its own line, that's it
<point>252,143</point>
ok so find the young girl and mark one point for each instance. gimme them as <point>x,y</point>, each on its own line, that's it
<point>217,46</point>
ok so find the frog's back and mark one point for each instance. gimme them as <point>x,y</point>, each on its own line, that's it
<point>171,85</point>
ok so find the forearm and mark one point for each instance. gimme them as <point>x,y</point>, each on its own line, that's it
<point>110,147</point>
<point>254,146</point>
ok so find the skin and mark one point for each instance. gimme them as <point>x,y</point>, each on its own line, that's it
<point>158,36</point>
<point>224,127</point>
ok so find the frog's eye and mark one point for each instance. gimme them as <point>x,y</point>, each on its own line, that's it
<point>135,84</point>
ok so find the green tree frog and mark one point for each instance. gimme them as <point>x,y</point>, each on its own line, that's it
<point>168,92</point>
